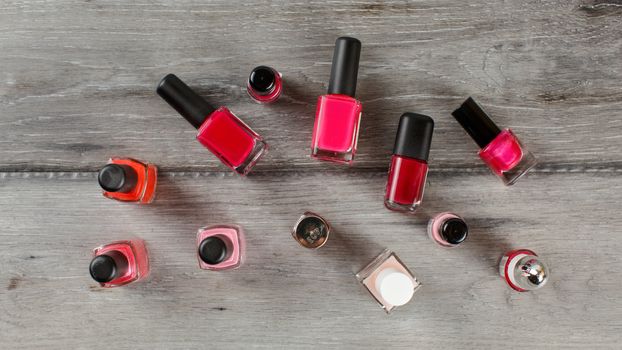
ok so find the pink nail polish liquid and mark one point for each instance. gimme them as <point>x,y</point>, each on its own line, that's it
<point>232,141</point>
<point>119,263</point>
<point>500,149</point>
<point>220,247</point>
<point>219,130</point>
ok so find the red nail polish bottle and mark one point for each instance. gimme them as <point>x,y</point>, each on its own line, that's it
<point>220,131</point>
<point>220,247</point>
<point>409,163</point>
<point>120,263</point>
<point>338,114</point>
<point>128,180</point>
<point>500,149</point>
<point>264,84</point>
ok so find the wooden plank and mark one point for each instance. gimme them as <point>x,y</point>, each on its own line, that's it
<point>289,297</point>
<point>78,78</point>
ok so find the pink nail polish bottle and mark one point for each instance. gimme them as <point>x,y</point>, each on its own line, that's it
<point>523,270</point>
<point>500,149</point>
<point>220,131</point>
<point>448,230</point>
<point>264,84</point>
<point>220,247</point>
<point>338,114</point>
<point>119,263</point>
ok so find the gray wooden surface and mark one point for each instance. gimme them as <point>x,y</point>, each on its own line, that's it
<point>77,81</point>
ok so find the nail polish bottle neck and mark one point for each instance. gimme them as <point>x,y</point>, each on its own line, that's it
<point>109,266</point>
<point>119,178</point>
<point>194,108</point>
<point>263,80</point>
<point>345,67</point>
<point>476,122</point>
<point>414,136</point>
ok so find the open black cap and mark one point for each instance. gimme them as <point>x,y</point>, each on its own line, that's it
<point>117,178</point>
<point>414,136</point>
<point>476,122</point>
<point>103,268</point>
<point>454,231</point>
<point>262,79</point>
<point>212,250</point>
<point>345,66</point>
<point>185,101</point>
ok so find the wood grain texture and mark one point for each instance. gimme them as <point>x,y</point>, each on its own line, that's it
<point>77,85</point>
<point>289,297</point>
<point>78,78</point>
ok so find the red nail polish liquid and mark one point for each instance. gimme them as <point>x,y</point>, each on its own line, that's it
<point>409,163</point>
<point>500,149</point>
<point>128,180</point>
<point>338,114</point>
<point>264,84</point>
<point>119,263</point>
<point>220,131</point>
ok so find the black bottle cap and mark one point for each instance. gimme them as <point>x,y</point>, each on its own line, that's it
<point>103,268</point>
<point>262,79</point>
<point>476,122</point>
<point>345,66</point>
<point>185,101</point>
<point>212,250</point>
<point>414,135</point>
<point>454,231</point>
<point>117,178</point>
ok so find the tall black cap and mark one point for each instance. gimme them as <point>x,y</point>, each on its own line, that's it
<point>185,101</point>
<point>345,66</point>
<point>454,231</point>
<point>476,122</point>
<point>117,178</point>
<point>262,79</point>
<point>414,136</point>
<point>212,250</point>
<point>103,268</point>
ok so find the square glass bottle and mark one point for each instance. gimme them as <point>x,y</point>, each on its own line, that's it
<point>389,281</point>
<point>119,263</point>
<point>220,247</point>
<point>338,113</point>
<point>500,149</point>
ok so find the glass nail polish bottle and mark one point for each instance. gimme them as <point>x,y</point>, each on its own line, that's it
<point>500,149</point>
<point>311,231</point>
<point>523,270</point>
<point>448,229</point>
<point>220,247</point>
<point>389,281</point>
<point>128,180</point>
<point>220,131</point>
<point>338,114</point>
<point>264,84</point>
<point>409,163</point>
<point>119,263</point>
